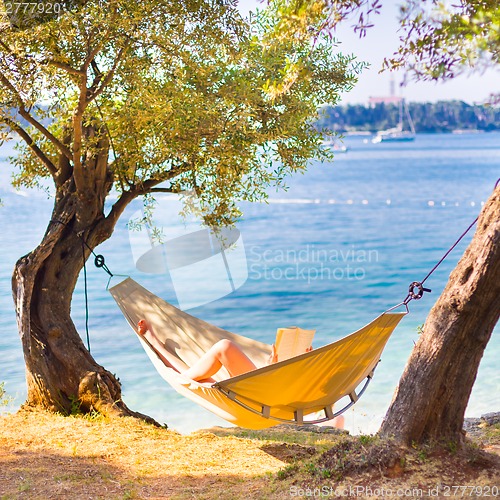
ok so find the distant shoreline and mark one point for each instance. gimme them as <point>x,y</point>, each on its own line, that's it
<point>369,133</point>
<point>440,117</point>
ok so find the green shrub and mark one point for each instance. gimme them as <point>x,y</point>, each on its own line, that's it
<point>4,398</point>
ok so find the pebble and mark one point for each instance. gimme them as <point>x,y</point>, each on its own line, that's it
<point>474,426</point>
<point>491,418</point>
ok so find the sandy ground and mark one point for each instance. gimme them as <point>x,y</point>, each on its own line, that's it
<point>46,456</point>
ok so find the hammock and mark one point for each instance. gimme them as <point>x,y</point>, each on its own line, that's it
<point>286,391</point>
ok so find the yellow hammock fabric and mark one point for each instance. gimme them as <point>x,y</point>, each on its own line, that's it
<point>284,391</point>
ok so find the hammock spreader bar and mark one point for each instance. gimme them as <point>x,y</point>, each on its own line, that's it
<point>299,414</point>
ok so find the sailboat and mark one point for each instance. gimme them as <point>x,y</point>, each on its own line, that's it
<point>335,145</point>
<point>398,134</point>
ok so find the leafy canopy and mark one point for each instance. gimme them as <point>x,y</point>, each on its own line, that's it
<point>441,40</point>
<point>182,96</point>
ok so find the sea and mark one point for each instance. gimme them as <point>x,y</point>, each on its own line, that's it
<point>332,251</point>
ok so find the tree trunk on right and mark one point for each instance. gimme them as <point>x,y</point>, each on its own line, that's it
<point>430,401</point>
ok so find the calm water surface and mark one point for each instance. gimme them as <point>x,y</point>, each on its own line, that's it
<point>331,253</point>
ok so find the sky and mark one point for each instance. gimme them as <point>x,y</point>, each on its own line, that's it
<point>382,41</point>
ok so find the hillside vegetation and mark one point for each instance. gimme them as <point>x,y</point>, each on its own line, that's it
<point>443,116</point>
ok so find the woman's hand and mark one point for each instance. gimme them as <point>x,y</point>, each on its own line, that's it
<point>273,357</point>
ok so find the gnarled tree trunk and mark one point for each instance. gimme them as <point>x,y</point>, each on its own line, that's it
<point>60,371</point>
<point>430,401</point>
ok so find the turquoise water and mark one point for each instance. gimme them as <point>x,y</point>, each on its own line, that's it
<point>335,250</point>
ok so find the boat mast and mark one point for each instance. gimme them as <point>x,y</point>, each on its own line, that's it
<point>400,122</point>
<point>408,117</point>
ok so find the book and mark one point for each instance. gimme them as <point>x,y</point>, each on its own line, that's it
<point>292,341</point>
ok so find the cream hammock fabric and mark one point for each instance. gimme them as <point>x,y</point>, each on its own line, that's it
<point>286,391</point>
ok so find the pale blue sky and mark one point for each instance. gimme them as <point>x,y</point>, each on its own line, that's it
<point>381,41</point>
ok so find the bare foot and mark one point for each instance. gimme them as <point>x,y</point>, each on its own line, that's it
<point>142,327</point>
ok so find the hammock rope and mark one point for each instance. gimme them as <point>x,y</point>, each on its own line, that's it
<point>418,285</point>
<point>99,262</point>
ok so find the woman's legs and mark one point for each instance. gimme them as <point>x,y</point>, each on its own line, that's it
<point>338,422</point>
<point>223,353</point>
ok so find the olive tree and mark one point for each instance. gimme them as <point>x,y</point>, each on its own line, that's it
<point>133,98</point>
<point>440,41</point>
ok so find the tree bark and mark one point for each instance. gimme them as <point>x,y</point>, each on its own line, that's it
<point>61,373</point>
<point>430,401</point>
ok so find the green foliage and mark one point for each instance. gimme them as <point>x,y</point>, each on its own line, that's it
<point>440,39</point>
<point>75,406</point>
<point>4,398</point>
<point>367,439</point>
<point>296,16</point>
<point>287,471</point>
<point>421,450</point>
<point>25,485</point>
<point>311,468</point>
<point>452,447</point>
<point>185,94</point>
<point>76,411</point>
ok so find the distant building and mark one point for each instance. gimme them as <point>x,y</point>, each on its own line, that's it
<point>392,98</point>
<point>373,101</point>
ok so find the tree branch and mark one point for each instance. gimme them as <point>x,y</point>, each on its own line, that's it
<point>118,208</point>
<point>78,120</point>
<point>161,190</point>
<point>35,123</point>
<point>78,132</point>
<point>65,67</point>
<point>94,90</point>
<point>91,54</point>
<point>150,184</point>
<point>146,187</point>
<point>29,141</point>
<point>90,58</point>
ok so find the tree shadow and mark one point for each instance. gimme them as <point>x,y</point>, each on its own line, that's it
<point>49,475</point>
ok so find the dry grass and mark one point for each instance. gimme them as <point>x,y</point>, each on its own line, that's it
<point>48,456</point>
<point>45,456</point>
<point>359,466</point>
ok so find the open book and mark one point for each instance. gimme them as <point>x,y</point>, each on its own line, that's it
<point>292,341</point>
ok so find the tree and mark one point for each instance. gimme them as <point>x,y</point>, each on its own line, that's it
<point>439,40</point>
<point>438,43</point>
<point>430,401</point>
<point>137,98</point>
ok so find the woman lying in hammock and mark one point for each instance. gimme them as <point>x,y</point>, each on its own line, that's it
<point>224,353</point>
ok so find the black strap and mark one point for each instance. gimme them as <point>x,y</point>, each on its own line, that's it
<point>86,295</point>
<point>99,262</point>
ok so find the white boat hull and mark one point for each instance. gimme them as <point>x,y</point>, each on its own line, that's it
<point>402,137</point>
